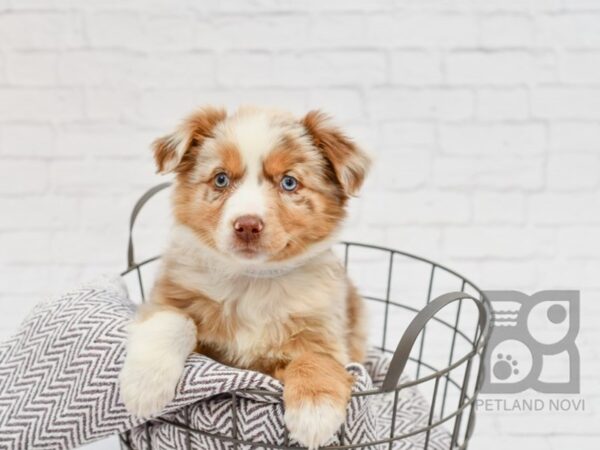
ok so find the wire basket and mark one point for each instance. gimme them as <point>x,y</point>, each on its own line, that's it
<point>414,302</point>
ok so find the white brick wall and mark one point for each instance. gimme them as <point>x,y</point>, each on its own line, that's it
<point>484,117</point>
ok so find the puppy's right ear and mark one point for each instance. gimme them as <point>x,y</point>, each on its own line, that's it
<point>171,152</point>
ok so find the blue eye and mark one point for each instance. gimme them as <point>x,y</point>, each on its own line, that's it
<point>221,180</point>
<point>289,183</point>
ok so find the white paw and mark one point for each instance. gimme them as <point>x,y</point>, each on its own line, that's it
<point>147,386</point>
<point>314,424</point>
<point>157,348</point>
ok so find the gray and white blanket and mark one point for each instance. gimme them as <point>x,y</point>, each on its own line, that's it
<point>59,388</point>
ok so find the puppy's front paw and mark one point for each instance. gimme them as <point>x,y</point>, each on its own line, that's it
<point>147,386</point>
<point>314,423</point>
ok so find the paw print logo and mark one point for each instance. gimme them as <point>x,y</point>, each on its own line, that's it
<point>505,367</point>
<point>532,345</point>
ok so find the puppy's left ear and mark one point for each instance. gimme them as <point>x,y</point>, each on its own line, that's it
<point>349,162</point>
<point>172,152</point>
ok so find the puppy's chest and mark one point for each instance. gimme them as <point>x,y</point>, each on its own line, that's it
<point>245,343</point>
<point>245,321</point>
<point>250,322</point>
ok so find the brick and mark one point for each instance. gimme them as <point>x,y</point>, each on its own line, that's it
<point>506,30</point>
<point>329,29</point>
<point>411,104</point>
<point>272,6</point>
<point>516,139</point>
<point>572,172</point>
<point>44,30</point>
<point>590,276</point>
<point>518,275</point>
<point>499,67</point>
<point>3,70</point>
<point>62,278</point>
<point>165,30</point>
<point>571,275</point>
<point>102,211</point>
<point>409,208</point>
<point>105,141</point>
<point>279,31</point>
<point>582,5</point>
<point>111,104</point>
<point>564,208</point>
<point>28,140</point>
<point>496,242</point>
<point>23,177</point>
<point>338,68</point>
<point>580,66</point>
<point>25,247</point>
<point>109,176</point>
<point>503,104</point>
<point>32,69</point>
<point>569,137</point>
<point>352,5</point>
<point>40,104</point>
<point>321,68</point>
<point>46,212</point>
<point>173,70</point>
<point>499,208</point>
<point>516,422</point>
<point>502,173</point>
<point>405,171</point>
<point>21,277</point>
<point>89,247</point>
<point>101,68</point>
<point>415,67</point>
<point>583,441</point>
<point>133,31</point>
<point>506,6</point>
<point>558,30</point>
<point>578,242</point>
<point>529,442</point>
<point>407,135</point>
<point>566,103</point>
<point>245,69</point>
<point>422,29</point>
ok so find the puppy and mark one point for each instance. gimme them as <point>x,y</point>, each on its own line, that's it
<point>249,278</point>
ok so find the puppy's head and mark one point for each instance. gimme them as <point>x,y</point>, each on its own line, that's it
<point>260,185</point>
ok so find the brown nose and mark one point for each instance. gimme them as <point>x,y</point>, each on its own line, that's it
<point>248,228</point>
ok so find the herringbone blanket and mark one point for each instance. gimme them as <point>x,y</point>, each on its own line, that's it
<point>59,388</point>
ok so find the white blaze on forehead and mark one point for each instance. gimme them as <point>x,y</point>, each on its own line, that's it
<point>255,136</point>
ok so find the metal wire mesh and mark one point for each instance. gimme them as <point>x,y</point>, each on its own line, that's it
<point>450,376</point>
